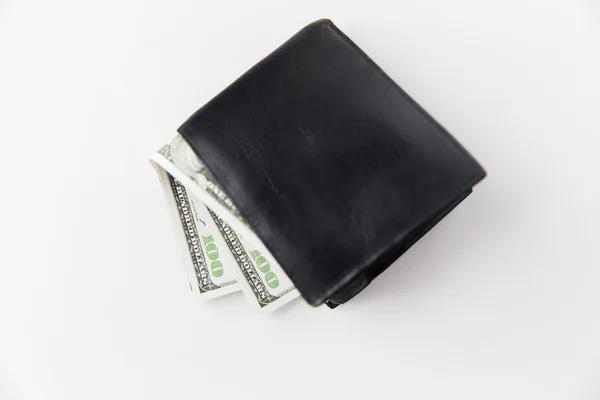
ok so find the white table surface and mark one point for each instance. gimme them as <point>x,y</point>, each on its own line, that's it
<point>499,301</point>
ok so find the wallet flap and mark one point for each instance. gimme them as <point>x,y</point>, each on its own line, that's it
<point>335,168</point>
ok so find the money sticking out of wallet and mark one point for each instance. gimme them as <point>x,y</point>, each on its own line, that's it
<point>221,253</point>
<point>309,175</point>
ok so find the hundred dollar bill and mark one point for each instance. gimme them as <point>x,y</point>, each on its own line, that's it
<point>261,278</point>
<point>208,262</point>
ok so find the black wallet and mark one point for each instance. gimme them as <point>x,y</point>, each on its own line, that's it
<point>333,166</point>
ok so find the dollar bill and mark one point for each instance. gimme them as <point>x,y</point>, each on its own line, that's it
<point>208,262</point>
<point>260,277</point>
<point>262,280</point>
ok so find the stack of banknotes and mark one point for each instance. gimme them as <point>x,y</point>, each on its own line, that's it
<point>221,253</point>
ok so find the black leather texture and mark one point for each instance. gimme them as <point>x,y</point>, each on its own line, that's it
<point>336,169</point>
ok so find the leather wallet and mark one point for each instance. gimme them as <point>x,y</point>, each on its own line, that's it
<point>333,166</point>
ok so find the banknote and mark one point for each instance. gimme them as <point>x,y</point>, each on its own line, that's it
<point>258,274</point>
<point>262,280</point>
<point>209,265</point>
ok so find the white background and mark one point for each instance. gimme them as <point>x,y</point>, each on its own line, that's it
<point>499,301</point>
